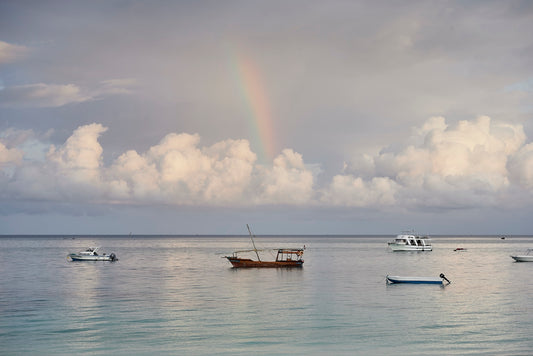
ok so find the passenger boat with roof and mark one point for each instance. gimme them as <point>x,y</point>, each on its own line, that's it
<point>418,280</point>
<point>527,257</point>
<point>91,254</point>
<point>286,257</point>
<point>409,241</point>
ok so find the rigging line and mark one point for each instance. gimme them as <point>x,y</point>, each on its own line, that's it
<point>253,242</point>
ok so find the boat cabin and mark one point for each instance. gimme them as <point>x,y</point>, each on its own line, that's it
<point>285,255</point>
<point>412,240</point>
<point>91,251</point>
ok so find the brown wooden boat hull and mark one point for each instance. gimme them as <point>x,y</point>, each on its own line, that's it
<point>248,263</point>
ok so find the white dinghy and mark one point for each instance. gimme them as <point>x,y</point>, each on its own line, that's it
<point>528,257</point>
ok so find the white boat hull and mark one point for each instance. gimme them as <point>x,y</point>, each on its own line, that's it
<point>76,257</point>
<point>403,247</point>
<point>524,258</point>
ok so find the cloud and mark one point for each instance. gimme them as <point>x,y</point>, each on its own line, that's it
<point>71,172</point>
<point>9,155</point>
<point>115,86</point>
<point>473,163</point>
<point>42,95</point>
<point>438,165</point>
<point>80,158</point>
<point>348,190</point>
<point>288,181</point>
<point>521,167</point>
<point>178,171</point>
<point>11,53</point>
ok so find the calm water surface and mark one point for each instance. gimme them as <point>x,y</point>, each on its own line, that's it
<point>176,295</point>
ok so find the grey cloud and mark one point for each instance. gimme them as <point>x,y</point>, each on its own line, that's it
<point>41,95</point>
<point>56,95</point>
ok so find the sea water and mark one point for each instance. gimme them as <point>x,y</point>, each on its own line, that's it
<point>177,295</point>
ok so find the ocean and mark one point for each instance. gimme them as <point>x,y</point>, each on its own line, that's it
<point>177,295</point>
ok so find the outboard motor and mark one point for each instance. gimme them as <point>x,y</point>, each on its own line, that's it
<point>444,277</point>
<point>113,257</point>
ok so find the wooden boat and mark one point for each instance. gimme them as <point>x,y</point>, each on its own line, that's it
<point>286,257</point>
<point>418,280</point>
<point>528,257</point>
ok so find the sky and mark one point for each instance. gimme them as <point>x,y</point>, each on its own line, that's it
<point>296,117</point>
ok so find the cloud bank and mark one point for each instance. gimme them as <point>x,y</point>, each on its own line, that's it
<point>474,163</point>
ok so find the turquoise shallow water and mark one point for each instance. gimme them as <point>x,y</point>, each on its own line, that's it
<point>176,295</point>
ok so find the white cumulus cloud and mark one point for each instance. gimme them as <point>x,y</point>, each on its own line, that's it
<point>288,181</point>
<point>439,165</point>
<point>179,171</point>
<point>80,158</point>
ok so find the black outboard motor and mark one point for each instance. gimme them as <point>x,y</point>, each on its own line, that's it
<point>444,277</point>
<point>113,257</point>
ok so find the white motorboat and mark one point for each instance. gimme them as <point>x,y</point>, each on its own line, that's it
<point>410,242</point>
<point>418,280</point>
<point>528,257</point>
<point>91,254</point>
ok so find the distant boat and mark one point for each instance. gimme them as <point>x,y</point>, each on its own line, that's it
<point>418,280</point>
<point>528,257</point>
<point>460,249</point>
<point>410,242</point>
<point>91,254</point>
<point>286,257</point>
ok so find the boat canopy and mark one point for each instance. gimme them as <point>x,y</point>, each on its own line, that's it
<point>401,237</point>
<point>291,250</point>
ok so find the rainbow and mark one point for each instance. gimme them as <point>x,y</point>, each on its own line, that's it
<point>253,92</point>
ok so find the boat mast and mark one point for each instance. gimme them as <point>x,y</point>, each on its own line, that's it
<point>253,242</point>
